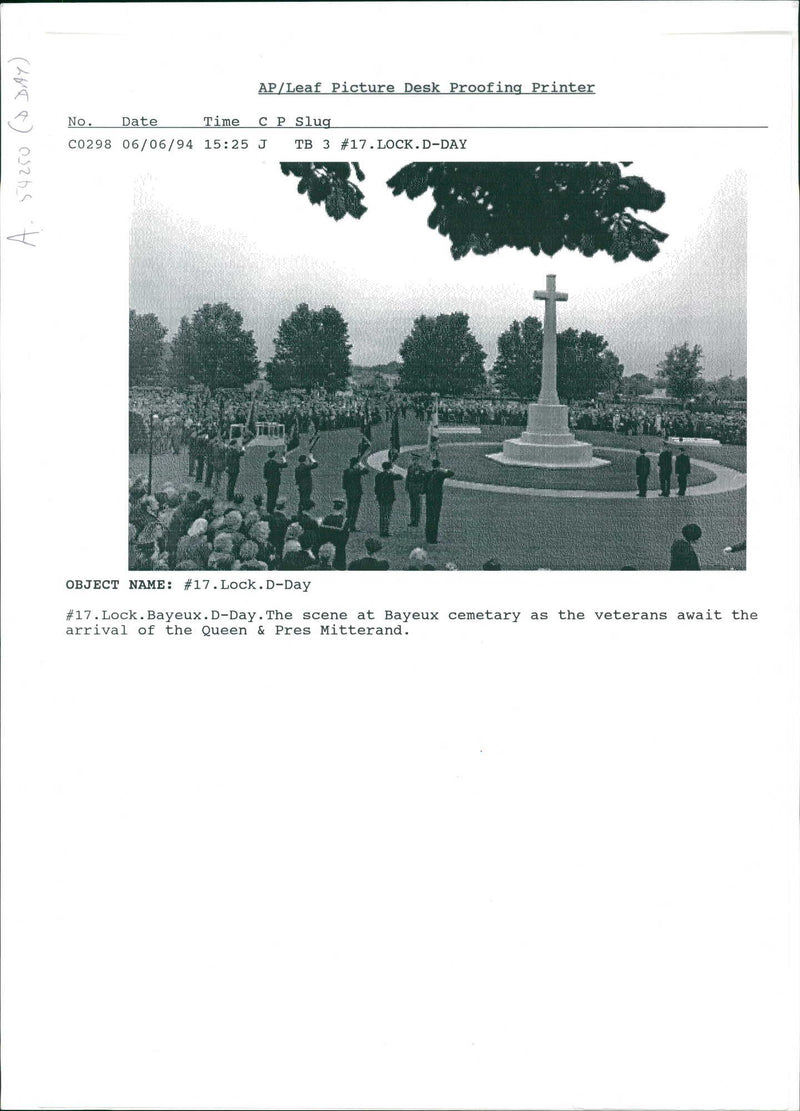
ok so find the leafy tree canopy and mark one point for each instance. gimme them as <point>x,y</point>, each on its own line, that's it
<point>145,348</point>
<point>213,349</point>
<point>312,350</point>
<point>483,206</point>
<point>680,370</point>
<point>586,365</point>
<point>518,367</point>
<point>637,385</point>
<point>441,355</point>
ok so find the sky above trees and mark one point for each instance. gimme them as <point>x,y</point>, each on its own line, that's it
<point>264,249</point>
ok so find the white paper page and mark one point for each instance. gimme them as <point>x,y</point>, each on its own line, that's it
<point>526,841</point>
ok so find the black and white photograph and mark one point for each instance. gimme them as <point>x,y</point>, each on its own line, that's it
<point>449,366</point>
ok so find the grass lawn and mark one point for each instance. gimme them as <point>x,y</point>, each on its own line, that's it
<point>522,533</point>
<point>471,465</point>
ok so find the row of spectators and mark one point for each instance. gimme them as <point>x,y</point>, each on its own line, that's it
<point>639,420</point>
<point>187,530</point>
<point>178,413</point>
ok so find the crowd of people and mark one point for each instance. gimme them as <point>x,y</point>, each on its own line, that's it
<point>174,415</point>
<point>207,525</point>
<point>630,419</point>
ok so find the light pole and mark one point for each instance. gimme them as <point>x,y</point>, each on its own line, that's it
<point>153,416</point>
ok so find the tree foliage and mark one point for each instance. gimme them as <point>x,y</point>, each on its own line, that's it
<point>145,348</point>
<point>483,206</point>
<point>213,349</point>
<point>312,350</point>
<point>725,389</point>
<point>636,385</point>
<point>441,355</point>
<point>586,365</point>
<point>518,367</point>
<point>330,183</point>
<point>681,371</point>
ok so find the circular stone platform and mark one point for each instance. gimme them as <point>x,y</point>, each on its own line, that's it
<point>576,457</point>
<point>723,479</point>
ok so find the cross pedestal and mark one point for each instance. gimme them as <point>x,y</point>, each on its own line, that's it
<point>547,441</point>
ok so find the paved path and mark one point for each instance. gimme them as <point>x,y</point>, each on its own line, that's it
<point>725,478</point>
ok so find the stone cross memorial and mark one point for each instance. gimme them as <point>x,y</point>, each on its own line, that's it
<point>547,441</point>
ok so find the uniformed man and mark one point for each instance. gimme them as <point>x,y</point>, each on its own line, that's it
<point>642,472</point>
<point>201,453</point>
<point>219,459</point>
<point>665,470</point>
<point>278,522</point>
<point>352,477</point>
<point>683,469</point>
<point>385,481</point>
<point>434,489</point>
<point>272,476</point>
<point>233,461</point>
<point>304,479</point>
<point>416,477</point>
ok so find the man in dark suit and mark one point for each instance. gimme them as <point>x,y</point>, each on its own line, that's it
<point>369,562</point>
<point>642,472</point>
<point>385,481</point>
<point>201,452</point>
<point>334,530</point>
<point>304,479</point>
<point>416,477</point>
<point>272,476</point>
<point>434,488</point>
<point>683,468</point>
<point>665,470</point>
<point>278,524</point>
<point>351,484</point>
<point>233,461</point>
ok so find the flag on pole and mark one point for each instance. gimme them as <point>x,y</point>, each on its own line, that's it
<point>313,436</point>
<point>433,433</point>
<point>294,436</point>
<point>366,423</point>
<point>250,423</point>
<point>394,437</point>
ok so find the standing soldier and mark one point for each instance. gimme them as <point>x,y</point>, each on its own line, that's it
<point>233,460</point>
<point>304,479</point>
<point>683,468</point>
<point>272,477</point>
<point>434,488</point>
<point>416,477</point>
<point>642,472</point>
<point>205,454</point>
<point>665,470</point>
<point>176,434</point>
<point>384,494</point>
<point>202,448</point>
<point>352,478</point>
<point>219,457</point>
<point>194,432</point>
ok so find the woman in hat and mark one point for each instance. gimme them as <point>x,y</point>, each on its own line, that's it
<point>683,557</point>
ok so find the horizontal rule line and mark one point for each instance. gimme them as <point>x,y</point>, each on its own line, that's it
<point>432,127</point>
<point>425,94</point>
